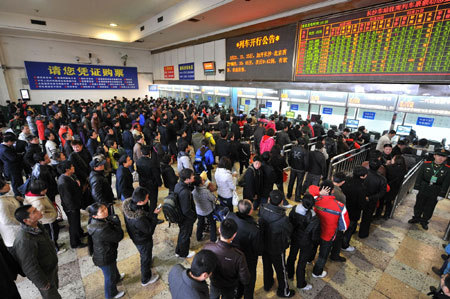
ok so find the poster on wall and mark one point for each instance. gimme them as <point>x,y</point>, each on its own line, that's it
<point>263,55</point>
<point>186,71</point>
<point>169,72</point>
<point>52,75</point>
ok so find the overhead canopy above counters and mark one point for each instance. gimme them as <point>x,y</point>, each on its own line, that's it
<point>372,101</point>
<point>424,105</point>
<point>294,95</point>
<point>334,98</point>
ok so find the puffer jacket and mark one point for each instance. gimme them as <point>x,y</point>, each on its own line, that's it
<point>376,186</point>
<point>266,144</point>
<point>9,226</point>
<point>298,158</point>
<point>332,214</point>
<point>140,222</point>
<point>249,236</point>
<point>306,230</point>
<point>225,184</point>
<point>36,254</point>
<point>276,228</point>
<point>106,235</point>
<point>44,205</point>
<point>100,188</point>
<point>204,201</point>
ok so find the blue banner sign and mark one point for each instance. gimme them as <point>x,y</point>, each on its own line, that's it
<point>268,104</point>
<point>209,98</point>
<point>51,75</point>
<point>327,110</point>
<point>247,102</point>
<point>153,88</point>
<point>425,121</point>
<point>222,99</point>
<point>186,71</point>
<point>294,107</point>
<point>368,115</point>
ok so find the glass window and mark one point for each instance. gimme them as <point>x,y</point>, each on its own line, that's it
<point>381,120</point>
<point>440,126</point>
<point>335,118</point>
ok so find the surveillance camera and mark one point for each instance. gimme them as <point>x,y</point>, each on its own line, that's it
<point>77,58</point>
<point>124,56</point>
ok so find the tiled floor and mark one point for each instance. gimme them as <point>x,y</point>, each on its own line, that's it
<point>394,262</point>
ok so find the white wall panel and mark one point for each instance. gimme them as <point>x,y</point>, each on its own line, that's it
<point>198,59</point>
<point>220,58</point>
<point>189,53</point>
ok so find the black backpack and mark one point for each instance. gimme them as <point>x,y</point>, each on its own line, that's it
<point>171,208</point>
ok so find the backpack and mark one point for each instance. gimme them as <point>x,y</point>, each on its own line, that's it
<point>200,164</point>
<point>220,213</point>
<point>241,180</point>
<point>171,208</point>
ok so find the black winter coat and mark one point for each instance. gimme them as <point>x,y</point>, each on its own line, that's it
<point>12,162</point>
<point>249,237</point>
<point>253,182</point>
<point>100,188</point>
<point>236,131</point>
<point>355,197</point>
<point>106,235</point>
<point>305,231</point>
<point>140,223</point>
<point>278,163</point>
<point>317,163</point>
<point>186,200</point>
<point>276,228</point>
<point>70,193</point>
<point>81,162</point>
<point>124,181</point>
<point>299,158</point>
<point>149,173</point>
<point>31,150</point>
<point>268,175</point>
<point>169,177</point>
<point>223,148</point>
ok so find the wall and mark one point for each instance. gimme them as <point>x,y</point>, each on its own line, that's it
<point>211,51</point>
<point>16,50</point>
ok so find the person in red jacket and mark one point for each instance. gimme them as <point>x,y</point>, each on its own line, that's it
<point>64,129</point>
<point>333,218</point>
<point>41,128</point>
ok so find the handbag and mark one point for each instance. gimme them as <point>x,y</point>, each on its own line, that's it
<point>235,198</point>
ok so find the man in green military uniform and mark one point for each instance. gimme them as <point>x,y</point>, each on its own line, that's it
<point>431,186</point>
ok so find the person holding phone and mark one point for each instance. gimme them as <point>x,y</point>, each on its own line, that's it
<point>141,222</point>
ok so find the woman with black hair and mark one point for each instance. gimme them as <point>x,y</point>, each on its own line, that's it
<point>278,162</point>
<point>105,233</point>
<point>306,232</point>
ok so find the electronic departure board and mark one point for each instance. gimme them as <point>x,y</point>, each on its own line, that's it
<point>402,42</point>
<point>264,55</point>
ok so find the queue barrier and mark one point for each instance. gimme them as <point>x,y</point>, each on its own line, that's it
<point>347,161</point>
<point>407,186</point>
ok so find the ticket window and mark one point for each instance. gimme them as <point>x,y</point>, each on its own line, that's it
<point>331,115</point>
<point>432,127</point>
<point>274,106</point>
<point>375,120</point>
<point>223,101</point>
<point>302,109</point>
<point>248,104</point>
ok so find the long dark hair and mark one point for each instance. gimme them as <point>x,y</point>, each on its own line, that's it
<point>93,210</point>
<point>400,160</point>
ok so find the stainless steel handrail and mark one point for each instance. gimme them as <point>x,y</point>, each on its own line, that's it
<point>351,159</point>
<point>407,186</point>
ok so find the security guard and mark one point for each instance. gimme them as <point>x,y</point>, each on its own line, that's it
<point>431,186</point>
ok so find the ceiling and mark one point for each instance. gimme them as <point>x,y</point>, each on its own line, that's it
<point>126,14</point>
<point>129,15</point>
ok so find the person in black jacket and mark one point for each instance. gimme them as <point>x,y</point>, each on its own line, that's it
<point>317,167</point>
<point>278,162</point>
<point>223,145</point>
<point>249,240</point>
<point>260,131</point>
<point>306,232</point>
<point>124,178</point>
<point>277,231</point>
<point>81,159</point>
<point>187,207</point>
<point>12,162</point>
<point>105,233</point>
<point>92,143</point>
<point>318,129</point>
<point>128,140</point>
<point>46,173</point>
<point>149,175</point>
<point>10,269</point>
<point>231,267</point>
<point>235,128</point>
<point>33,148</point>
<point>191,283</point>
<point>235,150</point>
<point>141,225</point>
<point>283,136</point>
<point>100,187</point>
<point>268,179</point>
<point>168,173</point>
<point>299,161</point>
<point>355,199</point>
<point>376,186</point>
<point>253,179</point>
<point>70,192</point>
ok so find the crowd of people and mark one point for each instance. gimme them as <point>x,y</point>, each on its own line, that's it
<point>74,150</point>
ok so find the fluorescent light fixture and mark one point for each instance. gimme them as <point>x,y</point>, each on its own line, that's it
<point>113,24</point>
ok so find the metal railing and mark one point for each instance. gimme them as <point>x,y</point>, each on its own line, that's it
<point>347,161</point>
<point>287,147</point>
<point>407,186</point>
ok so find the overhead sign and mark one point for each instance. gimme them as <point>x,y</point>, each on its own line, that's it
<point>425,121</point>
<point>269,104</point>
<point>334,98</point>
<point>368,115</point>
<point>169,72</point>
<point>424,104</point>
<point>52,75</point>
<point>296,95</point>
<point>327,110</point>
<point>153,87</point>
<point>209,68</point>
<point>265,55</point>
<point>395,42</point>
<point>294,107</point>
<point>186,71</point>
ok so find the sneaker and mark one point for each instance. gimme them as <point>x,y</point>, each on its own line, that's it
<point>288,295</point>
<point>339,258</point>
<point>288,206</point>
<point>306,288</point>
<point>61,251</point>
<point>424,225</point>
<point>190,254</point>
<point>122,276</point>
<point>324,273</point>
<point>413,220</point>
<point>120,294</point>
<point>349,249</point>
<point>152,279</point>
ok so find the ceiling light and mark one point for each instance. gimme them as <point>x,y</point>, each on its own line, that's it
<point>113,25</point>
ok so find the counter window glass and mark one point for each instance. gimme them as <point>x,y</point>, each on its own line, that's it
<point>431,127</point>
<point>248,104</point>
<point>331,115</point>
<point>302,109</point>
<point>375,120</point>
